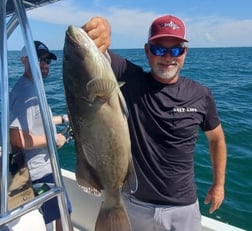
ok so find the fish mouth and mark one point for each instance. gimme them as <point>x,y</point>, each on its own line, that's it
<point>77,36</point>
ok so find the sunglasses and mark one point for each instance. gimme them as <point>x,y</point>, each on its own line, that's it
<point>45,59</point>
<point>162,51</point>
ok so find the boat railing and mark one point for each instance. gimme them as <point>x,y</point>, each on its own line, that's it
<point>17,10</point>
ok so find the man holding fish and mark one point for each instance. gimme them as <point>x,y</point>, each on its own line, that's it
<point>164,113</point>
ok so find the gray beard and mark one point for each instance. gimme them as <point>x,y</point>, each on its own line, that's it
<point>167,74</point>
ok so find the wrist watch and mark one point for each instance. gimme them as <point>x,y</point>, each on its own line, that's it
<point>64,118</point>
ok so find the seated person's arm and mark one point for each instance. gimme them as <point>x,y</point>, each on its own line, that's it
<point>24,140</point>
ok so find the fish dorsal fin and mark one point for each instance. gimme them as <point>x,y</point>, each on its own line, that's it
<point>100,87</point>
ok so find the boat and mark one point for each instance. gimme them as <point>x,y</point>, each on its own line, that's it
<point>86,208</point>
<point>27,217</point>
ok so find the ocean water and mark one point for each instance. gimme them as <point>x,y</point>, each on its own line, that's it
<point>228,73</point>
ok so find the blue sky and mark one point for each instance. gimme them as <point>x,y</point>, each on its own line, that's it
<point>210,23</point>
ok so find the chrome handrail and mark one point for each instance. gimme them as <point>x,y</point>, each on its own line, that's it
<point>59,190</point>
<point>4,108</point>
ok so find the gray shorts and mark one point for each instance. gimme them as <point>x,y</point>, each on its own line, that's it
<point>151,217</point>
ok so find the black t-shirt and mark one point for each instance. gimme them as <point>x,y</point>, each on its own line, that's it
<point>164,120</point>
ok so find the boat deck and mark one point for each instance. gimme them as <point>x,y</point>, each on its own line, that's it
<point>85,209</point>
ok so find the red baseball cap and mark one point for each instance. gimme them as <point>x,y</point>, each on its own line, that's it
<point>167,26</point>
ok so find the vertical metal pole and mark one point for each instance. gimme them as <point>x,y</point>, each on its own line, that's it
<point>48,127</point>
<point>4,108</point>
<point>11,25</point>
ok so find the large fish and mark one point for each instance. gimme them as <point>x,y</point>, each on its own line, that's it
<point>97,113</point>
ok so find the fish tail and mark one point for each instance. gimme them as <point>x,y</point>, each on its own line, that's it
<point>113,219</point>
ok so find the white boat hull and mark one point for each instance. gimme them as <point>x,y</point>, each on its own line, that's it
<point>86,208</point>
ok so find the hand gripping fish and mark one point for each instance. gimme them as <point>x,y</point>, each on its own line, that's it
<point>97,112</point>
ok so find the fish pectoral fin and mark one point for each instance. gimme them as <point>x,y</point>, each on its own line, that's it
<point>123,104</point>
<point>101,88</point>
<point>131,182</point>
<point>107,56</point>
<point>120,84</point>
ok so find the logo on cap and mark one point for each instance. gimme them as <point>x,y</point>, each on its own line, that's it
<point>171,24</point>
<point>42,47</point>
<point>167,26</point>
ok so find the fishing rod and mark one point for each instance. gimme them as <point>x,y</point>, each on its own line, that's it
<point>67,131</point>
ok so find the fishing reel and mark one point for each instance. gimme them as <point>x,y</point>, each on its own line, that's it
<point>68,133</point>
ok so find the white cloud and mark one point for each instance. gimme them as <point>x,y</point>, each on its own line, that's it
<point>131,25</point>
<point>213,31</point>
<point>63,12</point>
<point>132,22</point>
<point>208,37</point>
<point>123,21</point>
